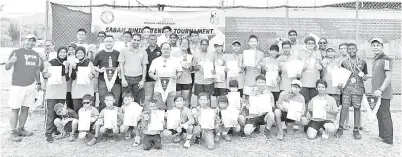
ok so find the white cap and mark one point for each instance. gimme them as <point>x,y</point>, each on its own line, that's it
<point>297,82</point>
<point>378,40</point>
<point>30,36</point>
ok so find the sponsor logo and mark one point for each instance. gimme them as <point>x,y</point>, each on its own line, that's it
<point>107,17</point>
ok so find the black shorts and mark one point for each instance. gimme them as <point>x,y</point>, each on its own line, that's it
<point>180,87</point>
<point>220,92</point>
<point>276,96</point>
<point>317,125</point>
<point>174,131</point>
<point>203,88</point>
<point>260,120</point>
<point>68,126</point>
<point>284,119</point>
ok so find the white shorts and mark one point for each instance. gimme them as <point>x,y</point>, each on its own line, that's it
<point>22,96</point>
<point>247,90</point>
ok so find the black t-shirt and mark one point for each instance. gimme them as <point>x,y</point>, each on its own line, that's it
<point>102,60</point>
<point>151,56</point>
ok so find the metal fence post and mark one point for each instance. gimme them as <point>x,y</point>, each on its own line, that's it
<point>357,21</point>
<point>287,18</point>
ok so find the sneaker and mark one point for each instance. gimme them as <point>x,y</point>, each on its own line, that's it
<point>339,133</point>
<point>356,134</point>
<point>226,137</point>
<point>197,140</point>
<point>267,133</point>
<point>57,132</point>
<point>290,130</point>
<point>49,139</point>
<point>187,144</point>
<point>61,136</point>
<point>82,135</point>
<point>217,138</point>
<point>72,137</point>
<point>176,138</point>
<point>14,136</point>
<point>257,129</point>
<point>114,139</point>
<point>279,136</point>
<point>23,132</point>
<point>136,141</point>
<point>93,141</point>
<point>242,134</point>
<point>127,137</point>
<point>325,135</point>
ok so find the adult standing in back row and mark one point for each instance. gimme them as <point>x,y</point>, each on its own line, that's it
<point>133,63</point>
<point>381,87</point>
<point>153,51</point>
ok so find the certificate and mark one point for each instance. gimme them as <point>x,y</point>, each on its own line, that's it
<point>173,118</point>
<point>84,121</point>
<point>260,104</point>
<point>229,117</point>
<point>250,58</point>
<point>294,68</point>
<point>340,76</point>
<point>157,119</point>
<point>131,114</point>
<point>234,100</point>
<point>319,109</point>
<point>233,67</point>
<point>207,67</point>
<point>271,78</point>
<point>220,74</point>
<point>55,75</point>
<point>295,110</point>
<point>207,119</point>
<point>110,119</point>
<point>83,75</point>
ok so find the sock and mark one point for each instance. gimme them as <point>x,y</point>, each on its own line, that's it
<point>218,134</point>
<point>356,128</point>
<point>224,133</point>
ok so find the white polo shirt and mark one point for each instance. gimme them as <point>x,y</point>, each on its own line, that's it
<point>166,67</point>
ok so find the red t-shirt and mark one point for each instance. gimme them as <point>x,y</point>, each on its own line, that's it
<point>26,66</point>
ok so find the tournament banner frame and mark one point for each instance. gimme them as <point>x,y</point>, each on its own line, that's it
<point>115,22</point>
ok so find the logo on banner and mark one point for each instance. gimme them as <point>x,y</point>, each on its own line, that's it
<point>110,77</point>
<point>107,17</point>
<point>214,19</point>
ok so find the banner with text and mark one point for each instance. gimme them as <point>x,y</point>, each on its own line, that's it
<point>115,22</point>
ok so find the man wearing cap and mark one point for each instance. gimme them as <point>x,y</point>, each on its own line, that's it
<point>165,36</point>
<point>27,66</point>
<point>296,48</point>
<point>283,105</point>
<point>236,56</point>
<point>381,88</point>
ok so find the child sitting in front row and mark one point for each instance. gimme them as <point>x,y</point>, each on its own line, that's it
<point>151,138</point>
<point>326,121</point>
<point>233,88</point>
<point>186,124</point>
<point>281,110</point>
<point>68,121</point>
<point>223,104</point>
<point>207,132</point>
<point>128,102</point>
<point>253,121</point>
<point>101,128</point>
<point>87,101</point>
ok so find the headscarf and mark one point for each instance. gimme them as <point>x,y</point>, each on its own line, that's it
<point>82,62</point>
<point>59,61</point>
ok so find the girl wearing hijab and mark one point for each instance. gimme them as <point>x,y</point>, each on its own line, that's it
<point>78,90</point>
<point>70,54</point>
<point>55,93</point>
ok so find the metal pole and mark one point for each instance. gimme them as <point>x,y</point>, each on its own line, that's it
<point>128,4</point>
<point>20,31</point>
<point>287,17</point>
<point>357,21</point>
<point>46,20</point>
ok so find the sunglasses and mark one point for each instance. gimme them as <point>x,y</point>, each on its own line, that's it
<point>322,42</point>
<point>86,102</point>
<point>101,36</point>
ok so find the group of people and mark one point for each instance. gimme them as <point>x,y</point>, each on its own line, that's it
<point>140,77</point>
